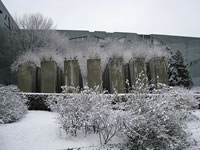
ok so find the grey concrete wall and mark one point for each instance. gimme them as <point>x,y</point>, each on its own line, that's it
<point>48,77</point>
<point>116,75</point>
<point>27,78</point>
<point>7,52</point>
<point>158,70</point>
<point>138,72</point>
<point>190,49</point>
<point>94,73</point>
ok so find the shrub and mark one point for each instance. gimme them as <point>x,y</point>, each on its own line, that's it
<point>12,105</point>
<point>87,111</point>
<point>157,121</point>
<point>147,120</point>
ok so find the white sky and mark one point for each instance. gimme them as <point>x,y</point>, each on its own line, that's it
<point>172,17</point>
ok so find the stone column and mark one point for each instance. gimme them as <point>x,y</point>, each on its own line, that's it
<point>94,73</point>
<point>27,78</point>
<point>48,77</point>
<point>158,70</point>
<point>72,74</point>
<point>116,75</point>
<point>138,72</point>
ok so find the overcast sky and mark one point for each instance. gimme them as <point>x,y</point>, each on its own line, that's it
<point>172,17</point>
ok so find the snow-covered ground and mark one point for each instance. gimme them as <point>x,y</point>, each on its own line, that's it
<point>194,128</point>
<point>39,130</point>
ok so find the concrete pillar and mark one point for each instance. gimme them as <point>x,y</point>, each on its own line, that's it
<point>158,70</point>
<point>38,80</point>
<point>48,77</point>
<point>138,72</point>
<point>116,75</point>
<point>106,80</point>
<point>72,74</point>
<point>27,78</point>
<point>94,73</point>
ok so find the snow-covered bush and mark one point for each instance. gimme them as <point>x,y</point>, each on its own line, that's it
<point>29,58</point>
<point>51,55</point>
<point>107,121</point>
<point>88,111</point>
<point>70,89</point>
<point>12,105</point>
<point>73,110</point>
<point>35,57</point>
<point>157,121</point>
<point>146,119</point>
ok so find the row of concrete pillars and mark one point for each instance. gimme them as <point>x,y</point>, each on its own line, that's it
<point>49,78</point>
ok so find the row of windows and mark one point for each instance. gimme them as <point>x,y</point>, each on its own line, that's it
<point>98,39</point>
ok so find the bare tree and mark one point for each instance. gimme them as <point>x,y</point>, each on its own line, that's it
<point>36,31</point>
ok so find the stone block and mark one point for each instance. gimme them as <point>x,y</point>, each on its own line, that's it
<point>48,77</point>
<point>27,78</point>
<point>94,73</point>
<point>72,74</point>
<point>138,72</point>
<point>158,70</point>
<point>116,75</point>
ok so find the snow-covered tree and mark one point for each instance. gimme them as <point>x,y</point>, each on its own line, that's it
<point>37,40</point>
<point>178,72</point>
<point>34,32</point>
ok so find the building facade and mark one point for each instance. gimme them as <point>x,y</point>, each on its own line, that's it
<point>190,47</point>
<point>7,53</point>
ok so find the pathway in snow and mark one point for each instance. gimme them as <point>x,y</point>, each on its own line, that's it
<point>38,130</point>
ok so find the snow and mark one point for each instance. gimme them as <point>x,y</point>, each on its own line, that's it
<point>194,128</point>
<point>39,130</point>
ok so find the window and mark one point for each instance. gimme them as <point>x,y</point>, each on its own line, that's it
<point>99,39</point>
<point>9,25</point>
<point>122,39</point>
<point>1,12</point>
<point>78,38</point>
<point>7,22</point>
